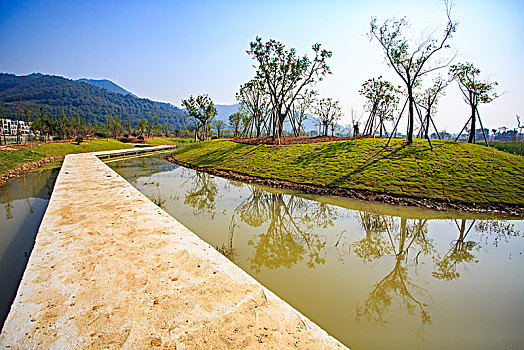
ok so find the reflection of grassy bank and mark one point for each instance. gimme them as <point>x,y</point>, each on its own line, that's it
<point>452,172</point>
<point>13,158</point>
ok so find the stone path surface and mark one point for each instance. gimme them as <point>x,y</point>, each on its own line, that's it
<point>111,270</point>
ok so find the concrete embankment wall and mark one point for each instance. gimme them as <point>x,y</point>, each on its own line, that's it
<point>110,269</point>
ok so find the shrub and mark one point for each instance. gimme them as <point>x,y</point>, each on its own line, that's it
<point>79,139</point>
<point>100,135</point>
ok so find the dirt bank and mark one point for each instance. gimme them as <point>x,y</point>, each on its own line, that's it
<point>27,167</point>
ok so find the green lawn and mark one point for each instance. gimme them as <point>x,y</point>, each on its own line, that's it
<point>12,159</point>
<point>452,171</point>
<point>513,147</point>
<point>166,141</point>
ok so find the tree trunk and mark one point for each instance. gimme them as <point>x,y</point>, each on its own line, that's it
<point>258,122</point>
<point>473,120</point>
<point>281,119</point>
<point>411,117</point>
<point>426,132</point>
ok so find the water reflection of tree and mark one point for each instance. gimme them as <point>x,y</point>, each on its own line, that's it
<point>202,194</point>
<point>254,210</point>
<point>461,251</point>
<point>292,229</point>
<point>385,236</point>
<point>32,185</point>
<point>374,245</point>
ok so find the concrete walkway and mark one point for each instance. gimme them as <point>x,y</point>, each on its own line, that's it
<point>130,151</point>
<point>111,270</point>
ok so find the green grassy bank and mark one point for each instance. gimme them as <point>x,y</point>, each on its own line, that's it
<point>11,159</point>
<point>167,141</point>
<point>450,172</point>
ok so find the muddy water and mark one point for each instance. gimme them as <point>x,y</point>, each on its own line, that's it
<point>373,276</point>
<point>23,202</point>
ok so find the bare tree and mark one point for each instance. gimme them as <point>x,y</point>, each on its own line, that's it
<point>329,112</point>
<point>428,101</point>
<point>300,109</point>
<point>411,64</point>
<point>254,100</point>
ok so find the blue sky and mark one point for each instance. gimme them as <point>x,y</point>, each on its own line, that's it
<point>168,50</point>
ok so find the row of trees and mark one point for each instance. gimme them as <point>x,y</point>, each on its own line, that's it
<point>412,63</point>
<point>282,88</point>
<point>73,126</point>
<point>279,92</point>
<point>382,100</point>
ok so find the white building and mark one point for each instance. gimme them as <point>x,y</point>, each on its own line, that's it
<point>10,126</point>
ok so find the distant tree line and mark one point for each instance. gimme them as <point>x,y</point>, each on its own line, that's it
<point>72,126</point>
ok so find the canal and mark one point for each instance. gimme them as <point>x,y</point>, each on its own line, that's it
<point>373,276</point>
<point>23,202</point>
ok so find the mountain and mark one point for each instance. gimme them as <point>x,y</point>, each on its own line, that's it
<point>56,93</point>
<point>106,84</point>
<point>224,111</point>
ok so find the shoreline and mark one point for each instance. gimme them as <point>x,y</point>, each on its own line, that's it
<point>26,168</point>
<point>393,199</point>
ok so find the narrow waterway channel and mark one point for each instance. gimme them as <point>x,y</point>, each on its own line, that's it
<point>23,202</point>
<point>373,276</point>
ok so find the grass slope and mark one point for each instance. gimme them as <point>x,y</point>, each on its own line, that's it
<point>11,159</point>
<point>451,172</point>
<point>166,141</point>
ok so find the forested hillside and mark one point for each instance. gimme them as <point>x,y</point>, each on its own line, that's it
<point>106,84</point>
<point>55,93</point>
